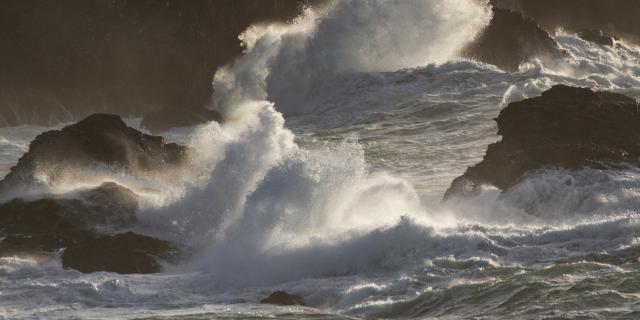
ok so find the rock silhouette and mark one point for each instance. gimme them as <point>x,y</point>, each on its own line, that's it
<point>565,127</point>
<point>511,39</point>
<point>282,298</point>
<point>100,139</point>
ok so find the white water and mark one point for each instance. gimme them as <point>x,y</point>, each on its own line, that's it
<point>346,211</point>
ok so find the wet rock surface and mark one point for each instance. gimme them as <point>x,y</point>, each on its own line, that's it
<point>511,39</point>
<point>282,298</point>
<point>597,36</point>
<point>122,253</point>
<point>85,229</point>
<point>98,140</point>
<point>86,225</point>
<point>566,127</point>
<point>618,18</point>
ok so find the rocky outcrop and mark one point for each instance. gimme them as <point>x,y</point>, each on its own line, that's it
<point>282,298</point>
<point>85,225</point>
<point>566,127</point>
<point>597,36</point>
<point>82,227</point>
<point>511,39</point>
<point>119,56</point>
<point>100,139</point>
<point>165,119</point>
<point>618,18</point>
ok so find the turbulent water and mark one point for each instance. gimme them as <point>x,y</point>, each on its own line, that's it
<point>345,129</point>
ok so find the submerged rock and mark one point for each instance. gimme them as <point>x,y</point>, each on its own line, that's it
<point>511,39</point>
<point>100,139</point>
<point>282,298</point>
<point>566,127</point>
<point>168,118</point>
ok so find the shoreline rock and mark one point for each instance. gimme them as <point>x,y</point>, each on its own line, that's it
<point>123,253</point>
<point>86,225</point>
<point>597,36</point>
<point>100,139</point>
<point>83,227</point>
<point>565,127</point>
<point>120,56</point>
<point>511,39</point>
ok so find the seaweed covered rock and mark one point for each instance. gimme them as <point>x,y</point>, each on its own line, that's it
<point>511,39</point>
<point>565,127</point>
<point>100,139</point>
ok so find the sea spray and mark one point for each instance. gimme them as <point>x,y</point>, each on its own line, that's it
<point>316,214</point>
<point>264,190</point>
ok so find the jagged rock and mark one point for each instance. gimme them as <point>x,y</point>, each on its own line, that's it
<point>78,226</point>
<point>165,119</point>
<point>121,253</point>
<point>511,39</point>
<point>109,205</point>
<point>566,127</point>
<point>100,139</point>
<point>282,298</point>
<point>39,226</point>
<point>597,36</point>
<point>618,18</point>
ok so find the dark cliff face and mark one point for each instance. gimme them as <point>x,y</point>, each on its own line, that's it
<point>63,60</point>
<point>565,127</point>
<point>511,39</point>
<point>618,18</point>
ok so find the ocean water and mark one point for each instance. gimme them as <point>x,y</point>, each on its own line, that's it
<point>344,130</point>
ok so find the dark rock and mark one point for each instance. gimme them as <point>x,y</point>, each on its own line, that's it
<point>618,18</point>
<point>109,205</point>
<point>282,298</point>
<point>39,226</point>
<point>597,36</point>
<point>78,226</point>
<point>100,139</point>
<point>81,222</point>
<point>511,39</point>
<point>165,119</point>
<point>119,56</point>
<point>121,253</point>
<point>54,222</point>
<point>565,127</point>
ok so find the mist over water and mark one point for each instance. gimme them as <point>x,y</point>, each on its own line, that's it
<point>344,130</point>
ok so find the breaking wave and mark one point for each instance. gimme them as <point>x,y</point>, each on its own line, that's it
<point>343,131</point>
